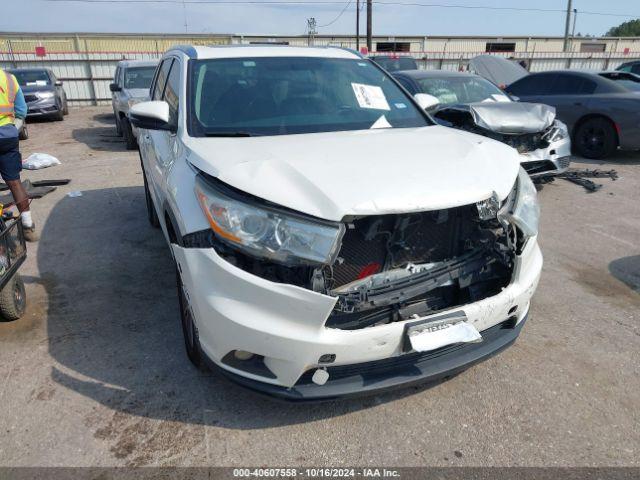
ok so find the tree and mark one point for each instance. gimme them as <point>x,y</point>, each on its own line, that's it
<point>626,29</point>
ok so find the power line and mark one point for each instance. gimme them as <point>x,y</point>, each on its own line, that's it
<point>338,17</point>
<point>333,2</point>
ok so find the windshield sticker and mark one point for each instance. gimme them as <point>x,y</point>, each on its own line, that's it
<point>382,122</point>
<point>362,64</point>
<point>400,105</point>
<point>370,96</point>
<point>249,63</point>
<point>38,83</point>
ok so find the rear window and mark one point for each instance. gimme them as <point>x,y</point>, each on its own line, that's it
<point>392,64</point>
<point>138,77</point>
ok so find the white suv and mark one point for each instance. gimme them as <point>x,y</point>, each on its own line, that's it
<point>330,238</point>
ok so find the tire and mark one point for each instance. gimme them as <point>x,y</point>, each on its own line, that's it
<point>13,299</point>
<point>59,115</point>
<point>65,109</point>
<point>118,126</point>
<point>152,215</point>
<point>189,329</point>
<point>596,138</point>
<point>24,133</point>
<point>127,133</point>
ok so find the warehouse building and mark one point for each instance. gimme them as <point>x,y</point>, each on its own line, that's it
<point>86,62</point>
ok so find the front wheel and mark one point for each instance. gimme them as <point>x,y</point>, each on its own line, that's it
<point>596,138</point>
<point>189,329</point>
<point>127,132</point>
<point>152,215</point>
<point>13,299</point>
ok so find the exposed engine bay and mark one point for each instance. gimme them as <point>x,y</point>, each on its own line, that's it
<point>463,119</point>
<point>394,267</point>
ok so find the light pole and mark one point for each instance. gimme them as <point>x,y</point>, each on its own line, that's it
<point>567,23</point>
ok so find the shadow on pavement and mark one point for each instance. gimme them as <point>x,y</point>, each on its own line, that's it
<point>627,270</point>
<point>114,329</point>
<point>100,138</point>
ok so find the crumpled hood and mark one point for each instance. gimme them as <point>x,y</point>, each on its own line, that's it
<point>512,118</point>
<point>336,174</point>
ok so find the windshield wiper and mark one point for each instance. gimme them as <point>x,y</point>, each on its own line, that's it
<point>229,134</point>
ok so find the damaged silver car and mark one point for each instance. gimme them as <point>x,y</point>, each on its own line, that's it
<point>469,102</point>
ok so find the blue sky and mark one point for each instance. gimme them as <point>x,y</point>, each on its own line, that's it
<point>65,16</point>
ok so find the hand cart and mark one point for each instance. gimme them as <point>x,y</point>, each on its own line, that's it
<point>13,252</point>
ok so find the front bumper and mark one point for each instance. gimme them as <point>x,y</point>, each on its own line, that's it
<point>235,310</point>
<point>556,158</point>
<point>42,108</point>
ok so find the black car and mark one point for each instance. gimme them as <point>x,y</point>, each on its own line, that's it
<point>394,63</point>
<point>43,93</point>
<point>633,67</point>
<point>601,114</point>
<point>626,79</point>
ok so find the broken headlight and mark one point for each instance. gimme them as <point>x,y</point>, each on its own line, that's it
<point>559,132</point>
<point>267,232</point>
<point>521,206</point>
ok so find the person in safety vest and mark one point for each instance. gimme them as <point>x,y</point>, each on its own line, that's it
<point>13,111</point>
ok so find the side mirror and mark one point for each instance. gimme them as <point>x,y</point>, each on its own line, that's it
<point>426,101</point>
<point>58,83</point>
<point>114,87</point>
<point>151,116</point>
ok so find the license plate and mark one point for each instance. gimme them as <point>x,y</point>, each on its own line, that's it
<point>428,334</point>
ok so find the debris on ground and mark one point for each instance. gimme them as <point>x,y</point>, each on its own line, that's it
<point>579,177</point>
<point>34,189</point>
<point>36,161</point>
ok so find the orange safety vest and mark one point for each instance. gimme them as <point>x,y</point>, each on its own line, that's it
<point>8,91</point>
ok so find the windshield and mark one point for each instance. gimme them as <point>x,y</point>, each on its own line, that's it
<point>32,77</point>
<point>391,64</point>
<point>138,77</point>
<point>279,96</point>
<point>454,90</point>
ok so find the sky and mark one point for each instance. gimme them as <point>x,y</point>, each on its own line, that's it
<point>263,17</point>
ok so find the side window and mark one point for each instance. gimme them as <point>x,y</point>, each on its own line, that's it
<point>116,76</point>
<point>572,85</point>
<point>636,68</point>
<point>172,93</point>
<point>531,85</point>
<point>161,79</point>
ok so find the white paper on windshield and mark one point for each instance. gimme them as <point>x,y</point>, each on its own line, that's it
<point>382,122</point>
<point>495,97</point>
<point>461,332</point>
<point>370,96</point>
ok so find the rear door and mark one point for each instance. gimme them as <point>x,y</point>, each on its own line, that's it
<point>570,94</point>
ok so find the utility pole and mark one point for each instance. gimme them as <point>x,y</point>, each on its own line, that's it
<point>369,23</point>
<point>311,27</point>
<point>575,17</point>
<point>358,25</point>
<point>567,24</point>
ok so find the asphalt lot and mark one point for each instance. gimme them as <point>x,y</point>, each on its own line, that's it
<point>95,374</point>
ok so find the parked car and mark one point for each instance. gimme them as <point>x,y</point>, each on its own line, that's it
<point>630,81</point>
<point>471,103</point>
<point>329,238</point>
<point>130,85</point>
<point>393,63</point>
<point>633,67</point>
<point>43,93</point>
<point>601,114</point>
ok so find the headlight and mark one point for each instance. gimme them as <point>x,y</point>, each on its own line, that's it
<point>521,206</point>
<point>45,94</point>
<point>559,132</point>
<point>270,233</point>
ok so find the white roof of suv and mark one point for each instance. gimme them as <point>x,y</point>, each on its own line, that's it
<point>237,51</point>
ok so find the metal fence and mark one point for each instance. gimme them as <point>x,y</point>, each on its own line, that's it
<point>86,63</point>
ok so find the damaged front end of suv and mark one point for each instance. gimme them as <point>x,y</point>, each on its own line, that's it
<point>542,141</point>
